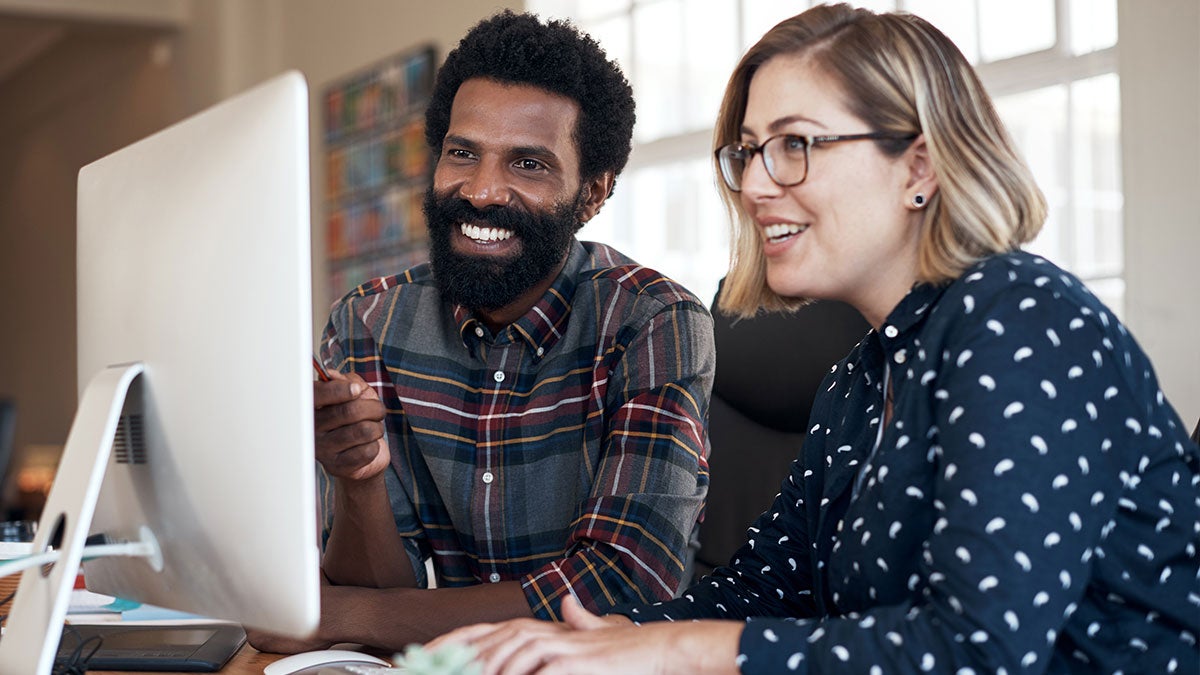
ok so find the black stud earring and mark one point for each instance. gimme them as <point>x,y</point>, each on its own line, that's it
<point>918,200</point>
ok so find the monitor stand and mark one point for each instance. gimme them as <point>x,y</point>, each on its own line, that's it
<point>36,619</point>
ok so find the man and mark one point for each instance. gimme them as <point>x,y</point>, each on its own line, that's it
<point>526,410</point>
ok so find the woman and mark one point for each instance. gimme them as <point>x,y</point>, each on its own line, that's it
<point>992,480</point>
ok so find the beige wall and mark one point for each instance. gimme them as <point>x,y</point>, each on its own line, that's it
<point>72,111</point>
<point>1160,143</point>
<point>142,65</point>
<point>327,41</point>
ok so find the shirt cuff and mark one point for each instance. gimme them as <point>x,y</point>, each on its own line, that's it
<point>771,645</point>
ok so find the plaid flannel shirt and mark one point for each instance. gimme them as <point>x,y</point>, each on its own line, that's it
<point>567,451</point>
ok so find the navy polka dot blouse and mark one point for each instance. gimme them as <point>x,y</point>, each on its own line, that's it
<point>1033,505</point>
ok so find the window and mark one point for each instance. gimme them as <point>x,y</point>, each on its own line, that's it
<point>1050,66</point>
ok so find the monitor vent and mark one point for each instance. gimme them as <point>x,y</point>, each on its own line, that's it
<point>129,444</point>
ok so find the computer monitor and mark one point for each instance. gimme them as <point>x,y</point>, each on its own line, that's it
<point>195,344</point>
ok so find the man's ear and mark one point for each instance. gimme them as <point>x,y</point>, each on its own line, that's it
<point>595,191</point>
<point>922,179</point>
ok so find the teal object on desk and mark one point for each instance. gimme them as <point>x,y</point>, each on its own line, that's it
<point>121,605</point>
<point>140,612</point>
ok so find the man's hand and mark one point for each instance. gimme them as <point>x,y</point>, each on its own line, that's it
<point>350,439</point>
<point>276,644</point>
<point>279,644</point>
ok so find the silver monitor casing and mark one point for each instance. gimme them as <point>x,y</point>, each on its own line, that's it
<point>194,298</point>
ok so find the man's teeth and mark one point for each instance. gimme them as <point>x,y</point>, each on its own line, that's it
<point>780,230</point>
<point>485,233</point>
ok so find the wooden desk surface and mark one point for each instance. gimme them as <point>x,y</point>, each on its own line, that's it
<point>248,661</point>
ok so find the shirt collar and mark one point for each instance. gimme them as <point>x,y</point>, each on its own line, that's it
<point>910,311</point>
<point>543,325</point>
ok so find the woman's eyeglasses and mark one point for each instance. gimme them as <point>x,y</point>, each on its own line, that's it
<point>785,156</point>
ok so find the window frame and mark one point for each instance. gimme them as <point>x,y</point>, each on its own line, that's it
<point>1056,65</point>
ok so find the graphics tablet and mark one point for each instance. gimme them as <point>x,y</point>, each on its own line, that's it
<point>194,648</point>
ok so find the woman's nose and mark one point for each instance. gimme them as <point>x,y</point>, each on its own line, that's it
<point>756,182</point>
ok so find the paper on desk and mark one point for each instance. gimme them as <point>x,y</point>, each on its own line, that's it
<point>83,600</point>
<point>88,607</point>
<point>138,614</point>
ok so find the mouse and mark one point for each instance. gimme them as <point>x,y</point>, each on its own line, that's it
<point>312,663</point>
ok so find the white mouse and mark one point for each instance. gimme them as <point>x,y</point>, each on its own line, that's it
<point>311,663</point>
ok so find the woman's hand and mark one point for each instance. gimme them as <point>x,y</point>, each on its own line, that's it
<point>585,643</point>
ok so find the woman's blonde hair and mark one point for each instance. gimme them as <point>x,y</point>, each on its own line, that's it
<point>898,74</point>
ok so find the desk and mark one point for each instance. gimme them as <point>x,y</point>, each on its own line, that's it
<point>248,661</point>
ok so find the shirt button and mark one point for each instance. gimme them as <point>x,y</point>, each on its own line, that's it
<point>891,331</point>
<point>494,577</point>
<point>540,351</point>
<point>498,376</point>
<point>488,477</point>
<point>900,356</point>
<point>479,331</point>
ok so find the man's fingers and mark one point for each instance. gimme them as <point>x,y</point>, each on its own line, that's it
<point>356,411</point>
<point>348,434</point>
<point>345,462</point>
<point>348,422</point>
<point>341,388</point>
<point>335,391</point>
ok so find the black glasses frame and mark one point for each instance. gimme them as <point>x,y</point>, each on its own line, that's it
<point>745,153</point>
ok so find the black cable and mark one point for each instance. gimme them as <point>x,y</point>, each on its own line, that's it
<point>77,662</point>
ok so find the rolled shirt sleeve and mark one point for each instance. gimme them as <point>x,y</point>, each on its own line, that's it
<point>629,539</point>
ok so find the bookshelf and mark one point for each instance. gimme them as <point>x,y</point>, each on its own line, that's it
<point>377,169</point>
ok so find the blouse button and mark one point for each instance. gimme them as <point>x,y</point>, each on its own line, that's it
<point>891,331</point>
<point>488,477</point>
<point>494,577</point>
<point>900,356</point>
<point>498,376</point>
<point>479,331</point>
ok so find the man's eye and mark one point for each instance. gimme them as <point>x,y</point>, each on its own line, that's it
<point>530,165</point>
<point>458,153</point>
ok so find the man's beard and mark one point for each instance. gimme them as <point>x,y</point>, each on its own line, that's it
<point>487,282</point>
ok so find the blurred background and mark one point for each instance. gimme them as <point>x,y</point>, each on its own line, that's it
<point>1102,96</point>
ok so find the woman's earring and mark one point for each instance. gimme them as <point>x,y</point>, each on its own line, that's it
<point>918,201</point>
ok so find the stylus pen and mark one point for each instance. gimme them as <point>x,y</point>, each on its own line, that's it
<point>322,374</point>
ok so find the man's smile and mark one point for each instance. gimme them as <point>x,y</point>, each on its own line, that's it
<point>484,234</point>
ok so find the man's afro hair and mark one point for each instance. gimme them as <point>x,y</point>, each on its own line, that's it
<point>555,56</point>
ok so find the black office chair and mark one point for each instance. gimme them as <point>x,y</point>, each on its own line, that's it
<point>768,371</point>
<point>8,425</point>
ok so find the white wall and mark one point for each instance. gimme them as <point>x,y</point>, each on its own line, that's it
<point>1159,68</point>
